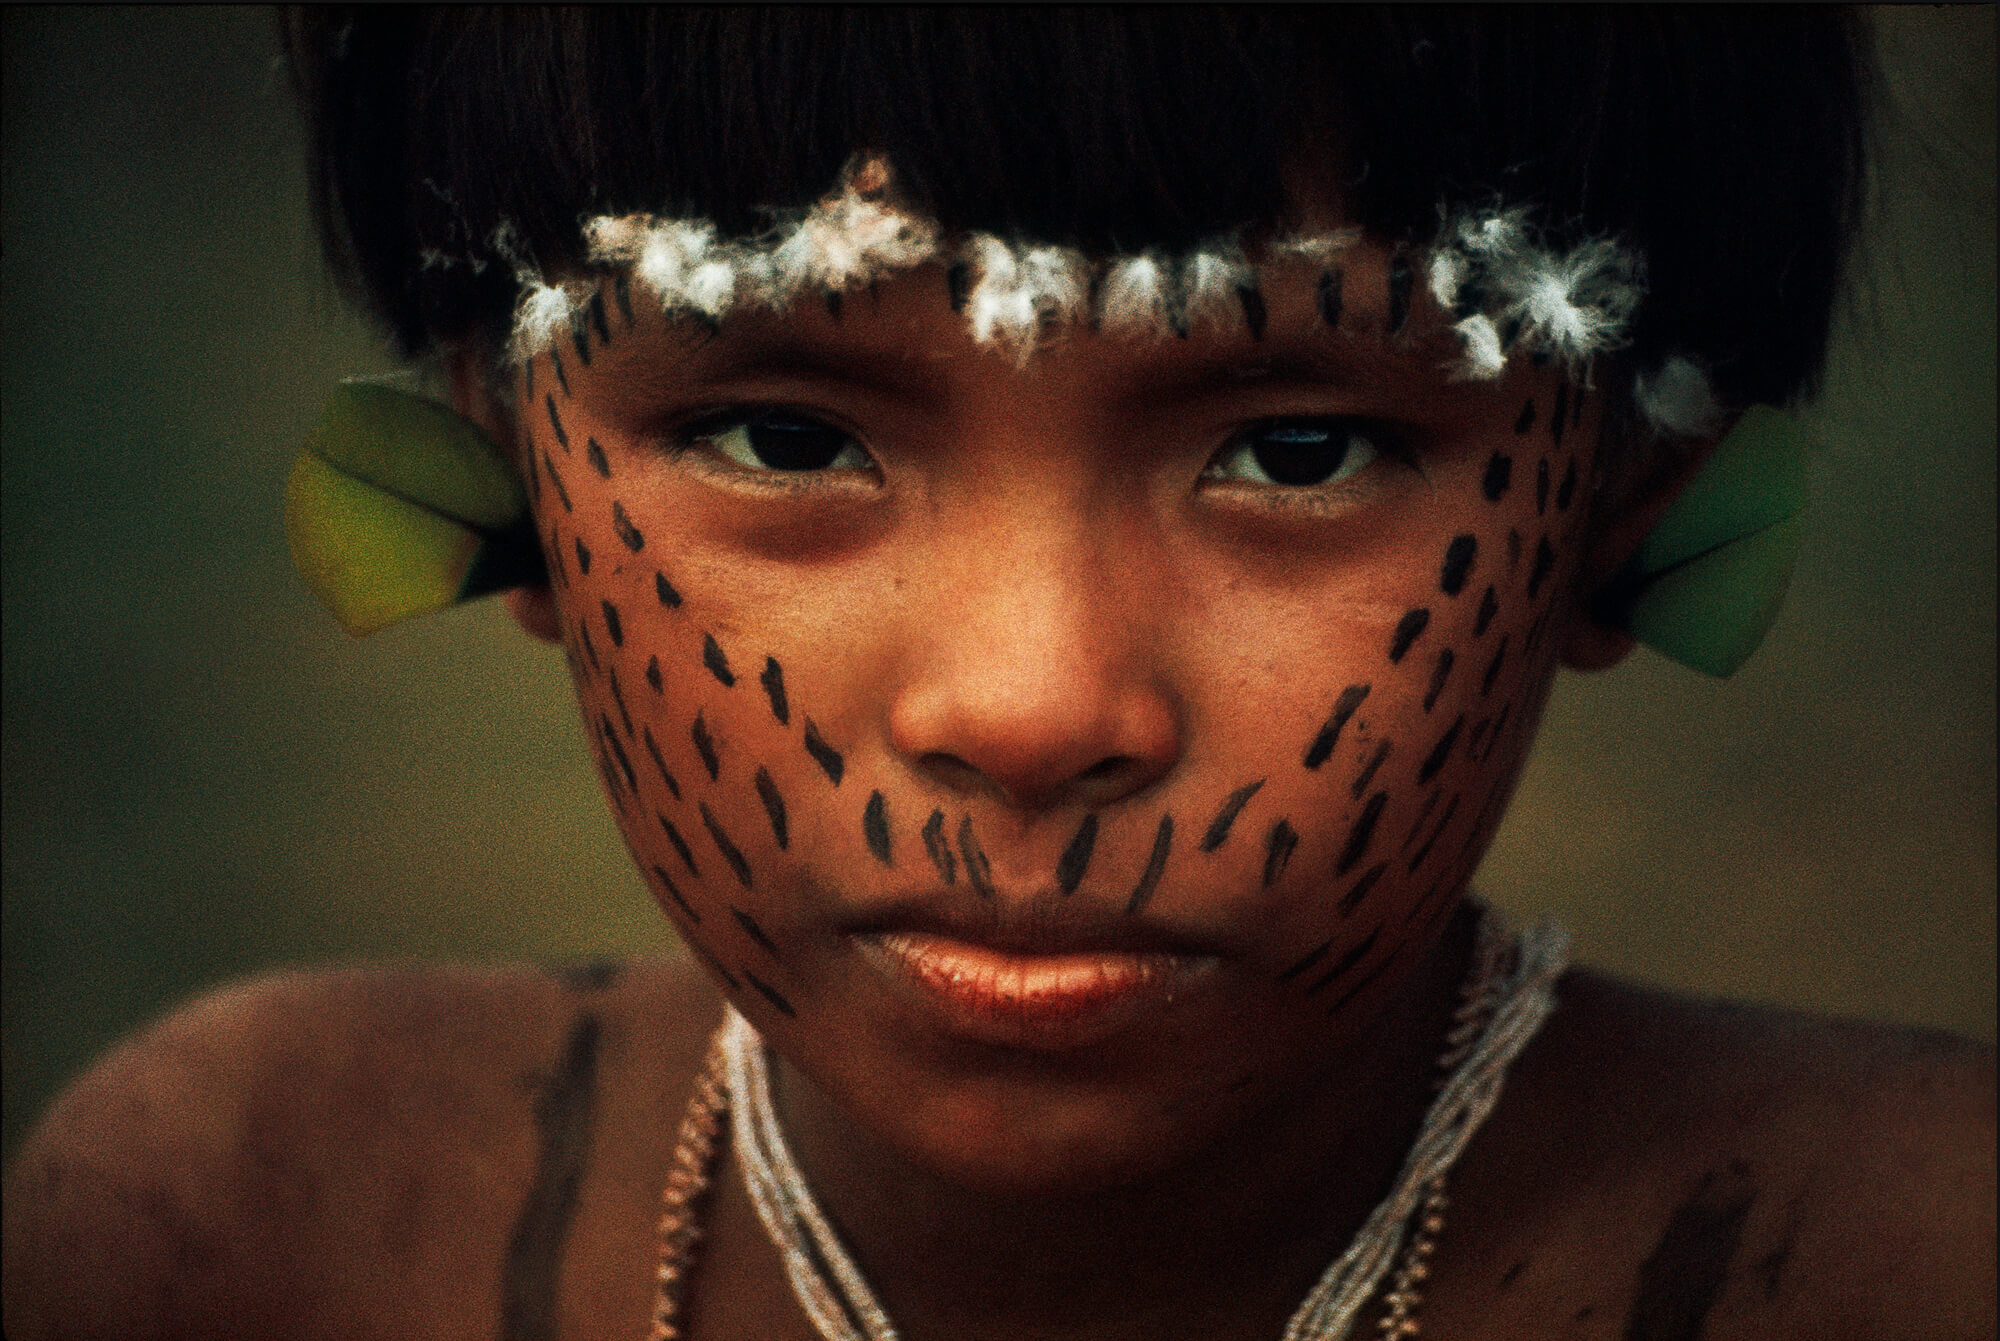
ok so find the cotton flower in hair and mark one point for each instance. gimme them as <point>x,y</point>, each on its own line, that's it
<point>1020,289</point>
<point>1211,279</point>
<point>1677,399</point>
<point>1137,297</point>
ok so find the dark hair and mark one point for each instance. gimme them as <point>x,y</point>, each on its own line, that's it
<point>1723,143</point>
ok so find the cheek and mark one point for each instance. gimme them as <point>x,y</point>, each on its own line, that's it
<point>1397,789</point>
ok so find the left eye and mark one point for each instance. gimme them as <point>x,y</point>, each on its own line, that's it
<point>777,440</point>
<point>1300,453</point>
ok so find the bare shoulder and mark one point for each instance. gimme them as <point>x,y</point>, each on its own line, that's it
<point>283,1148</point>
<point>1739,1170</point>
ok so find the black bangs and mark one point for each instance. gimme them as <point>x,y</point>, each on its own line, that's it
<point>1723,144</point>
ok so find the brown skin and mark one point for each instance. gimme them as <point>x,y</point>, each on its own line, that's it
<point>1160,636</point>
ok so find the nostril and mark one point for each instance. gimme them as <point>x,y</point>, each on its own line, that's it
<point>1106,768</point>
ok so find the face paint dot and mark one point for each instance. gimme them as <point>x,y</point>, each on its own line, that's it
<point>680,844</point>
<point>665,591</point>
<point>1541,486</point>
<point>1451,808</point>
<point>562,494</point>
<point>1408,629</point>
<point>1359,890</point>
<point>1499,473</point>
<point>1279,845</point>
<point>1225,818</point>
<point>618,697</point>
<point>597,316</point>
<point>653,674</point>
<point>753,931</point>
<point>827,757</point>
<point>621,289</point>
<point>613,625</point>
<point>1330,284</point>
<point>730,852</point>
<point>627,532</point>
<point>1076,857</point>
<point>562,378</point>
<point>582,555</point>
<point>771,994</point>
<point>1513,549</point>
<point>1545,559</point>
<point>1306,961</point>
<point>1254,313</point>
<point>595,455</point>
<point>674,893</point>
<point>958,284</point>
<point>977,868</point>
<point>666,776</point>
<point>624,764</point>
<point>1527,419</point>
<point>555,420</point>
<point>1360,833</point>
<point>1489,606</point>
<point>939,850</point>
<point>1440,752</point>
<point>1323,744</point>
<point>833,303</point>
<point>1440,672</point>
<point>717,663</point>
<point>1367,978</point>
<point>774,806</point>
<point>875,827</point>
<point>589,647</point>
<point>773,680</point>
<point>1458,557</point>
<point>1156,866</point>
<point>579,335</point>
<point>704,745</point>
<point>1559,416</point>
<point>1567,489</point>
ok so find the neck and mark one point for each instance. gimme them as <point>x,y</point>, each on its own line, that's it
<point>1225,1243</point>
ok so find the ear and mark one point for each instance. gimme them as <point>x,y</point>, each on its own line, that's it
<point>534,606</point>
<point>1594,646</point>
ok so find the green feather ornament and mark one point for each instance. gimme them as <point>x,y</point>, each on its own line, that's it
<point>397,507</point>
<point>1706,585</point>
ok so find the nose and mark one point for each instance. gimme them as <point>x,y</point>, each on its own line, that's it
<point>1038,681</point>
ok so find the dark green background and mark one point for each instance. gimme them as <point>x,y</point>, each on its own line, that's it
<point>204,777</point>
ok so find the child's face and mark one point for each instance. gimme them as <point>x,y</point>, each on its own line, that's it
<point>1055,761</point>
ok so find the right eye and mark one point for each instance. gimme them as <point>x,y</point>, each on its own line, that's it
<point>772,440</point>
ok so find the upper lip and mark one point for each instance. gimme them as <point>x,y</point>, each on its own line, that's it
<point>1047,924</point>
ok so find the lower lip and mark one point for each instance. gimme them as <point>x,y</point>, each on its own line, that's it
<point>1043,1002</point>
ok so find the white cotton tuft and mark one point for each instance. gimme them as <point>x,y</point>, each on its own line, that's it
<point>1135,299</point>
<point>849,240</point>
<point>1210,280</point>
<point>543,312</point>
<point>1483,359</point>
<point>1019,291</point>
<point>1677,400</point>
<point>1447,274</point>
<point>1318,248</point>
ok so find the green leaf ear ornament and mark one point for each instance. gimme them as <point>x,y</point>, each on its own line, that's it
<point>1705,586</point>
<point>396,507</point>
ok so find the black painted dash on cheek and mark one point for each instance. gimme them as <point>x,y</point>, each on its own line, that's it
<point>1439,674</point>
<point>555,421</point>
<point>730,852</point>
<point>1075,859</point>
<point>1513,549</point>
<point>653,748</point>
<point>1323,744</point>
<point>1254,312</point>
<point>771,994</point>
<point>594,453</point>
<point>1347,961</point>
<point>1458,557</point>
<point>1527,419</point>
<point>681,847</point>
<point>627,532</point>
<point>1156,865</point>
<point>1559,417</point>
<point>1545,559</point>
<point>773,680</point>
<point>938,849</point>
<point>774,806</point>
<point>1567,489</point>
<point>1358,836</point>
<point>1367,774</point>
<point>1278,848</point>
<point>1499,474</point>
<point>827,757</point>
<point>624,763</point>
<point>1541,486</point>
<point>1439,753</point>
<point>613,625</point>
<point>958,284</point>
<point>1401,277</point>
<point>1450,809</point>
<point>704,745</point>
<point>1353,897</point>
<point>1408,629</point>
<point>562,494</point>
<point>582,556</point>
<point>653,677</point>
<point>1493,666</point>
<point>562,378</point>
<point>589,647</point>
<point>674,893</point>
<point>717,663</point>
<point>665,591</point>
<point>618,697</point>
<point>579,334</point>
<point>875,827</point>
<point>1489,606</point>
<point>597,316</point>
<point>1225,818</point>
<point>753,931</point>
<point>977,868</point>
<point>621,289</point>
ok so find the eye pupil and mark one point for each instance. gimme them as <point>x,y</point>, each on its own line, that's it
<point>782,443</point>
<point>1298,456</point>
